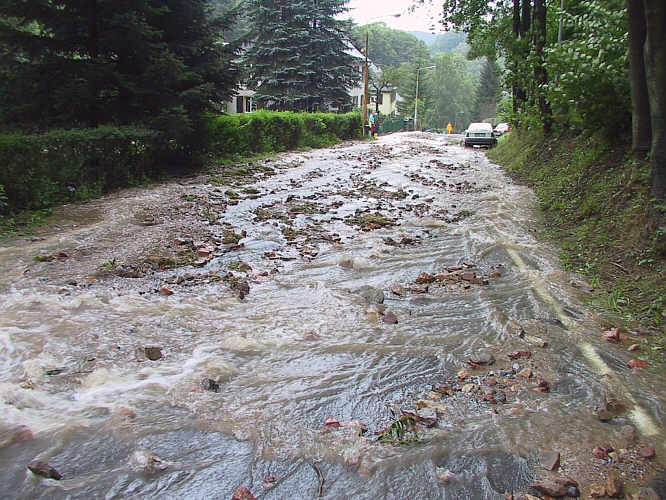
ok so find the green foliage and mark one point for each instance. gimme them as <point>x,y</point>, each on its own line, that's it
<point>487,93</point>
<point>390,124</point>
<point>269,131</point>
<point>450,90</point>
<point>451,41</point>
<point>592,92</point>
<point>299,56</point>
<point>596,203</point>
<point>64,165</point>
<point>389,47</point>
<point>158,63</point>
<point>3,200</point>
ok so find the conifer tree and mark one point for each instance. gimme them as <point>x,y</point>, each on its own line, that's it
<point>299,57</point>
<point>487,93</point>
<point>72,63</point>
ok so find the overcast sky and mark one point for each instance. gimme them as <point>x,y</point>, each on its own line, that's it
<point>368,11</point>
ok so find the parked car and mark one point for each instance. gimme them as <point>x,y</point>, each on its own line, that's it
<point>480,134</point>
<point>502,128</point>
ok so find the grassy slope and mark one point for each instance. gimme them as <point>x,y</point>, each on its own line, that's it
<point>594,198</point>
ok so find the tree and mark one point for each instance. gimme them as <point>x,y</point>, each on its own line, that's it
<point>655,75</point>
<point>540,71</point>
<point>300,55</point>
<point>641,128</point>
<point>447,42</point>
<point>488,90</point>
<point>647,61</point>
<point>453,89</point>
<point>159,63</point>
<point>389,47</point>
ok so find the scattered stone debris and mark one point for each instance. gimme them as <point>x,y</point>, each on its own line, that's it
<point>144,461</point>
<point>482,358</point>
<point>153,353</point>
<point>549,460</point>
<point>390,318</point>
<point>243,493</point>
<point>371,295</point>
<point>557,487</point>
<point>43,469</point>
<point>59,257</point>
<point>638,363</point>
<point>369,222</point>
<point>401,431</point>
<point>331,423</point>
<point>646,452</point>
<point>209,384</point>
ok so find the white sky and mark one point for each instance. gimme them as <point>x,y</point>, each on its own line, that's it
<point>369,11</point>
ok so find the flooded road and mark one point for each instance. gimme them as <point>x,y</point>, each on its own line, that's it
<point>194,337</point>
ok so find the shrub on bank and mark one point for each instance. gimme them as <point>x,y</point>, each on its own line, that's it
<point>273,131</point>
<point>41,170</point>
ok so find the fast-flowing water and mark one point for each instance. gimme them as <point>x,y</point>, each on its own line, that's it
<point>246,381</point>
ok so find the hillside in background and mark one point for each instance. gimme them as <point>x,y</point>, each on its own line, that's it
<point>441,42</point>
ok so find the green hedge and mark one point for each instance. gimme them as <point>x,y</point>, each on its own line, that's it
<point>272,131</point>
<point>38,171</point>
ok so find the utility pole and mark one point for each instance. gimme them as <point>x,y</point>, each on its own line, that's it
<point>364,112</point>
<point>416,100</point>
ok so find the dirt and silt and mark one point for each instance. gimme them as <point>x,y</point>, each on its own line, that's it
<point>373,320</point>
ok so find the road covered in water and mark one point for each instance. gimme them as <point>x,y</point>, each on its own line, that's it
<point>373,320</point>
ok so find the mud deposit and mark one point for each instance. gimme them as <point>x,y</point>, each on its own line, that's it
<point>371,321</point>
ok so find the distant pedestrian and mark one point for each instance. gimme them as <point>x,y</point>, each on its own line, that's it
<point>449,128</point>
<point>371,121</point>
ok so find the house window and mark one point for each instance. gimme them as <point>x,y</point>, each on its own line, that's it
<point>248,105</point>
<point>239,104</point>
<point>380,99</point>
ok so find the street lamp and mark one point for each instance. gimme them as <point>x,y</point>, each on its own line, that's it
<point>416,100</point>
<point>364,111</point>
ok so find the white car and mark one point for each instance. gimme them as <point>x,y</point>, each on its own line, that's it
<point>480,134</point>
<point>502,128</point>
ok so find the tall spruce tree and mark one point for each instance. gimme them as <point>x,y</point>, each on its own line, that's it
<point>487,94</point>
<point>72,63</point>
<point>300,54</point>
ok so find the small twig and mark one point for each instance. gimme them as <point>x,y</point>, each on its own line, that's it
<point>320,492</point>
<point>620,267</point>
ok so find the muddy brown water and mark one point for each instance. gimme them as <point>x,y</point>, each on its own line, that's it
<point>304,344</point>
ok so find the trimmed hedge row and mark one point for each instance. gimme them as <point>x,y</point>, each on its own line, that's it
<point>272,131</point>
<point>38,171</point>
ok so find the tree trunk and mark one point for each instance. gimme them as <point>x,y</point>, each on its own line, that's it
<point>93,53</point>
<point>655,72</point>
<point>526,18</point>
<point>640,107</point>
<point>540,72</point>
<point>517,91</point>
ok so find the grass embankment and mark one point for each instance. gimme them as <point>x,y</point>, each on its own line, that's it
<point>595,200</point>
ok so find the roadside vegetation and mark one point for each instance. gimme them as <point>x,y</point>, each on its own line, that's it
<point>583,91</point>
<point>595,197</point>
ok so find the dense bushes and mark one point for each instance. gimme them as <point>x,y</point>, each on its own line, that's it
<point>266,131</point>
<point>41,170</point>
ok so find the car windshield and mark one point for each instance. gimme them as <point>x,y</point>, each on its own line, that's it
<point>480,127</point>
